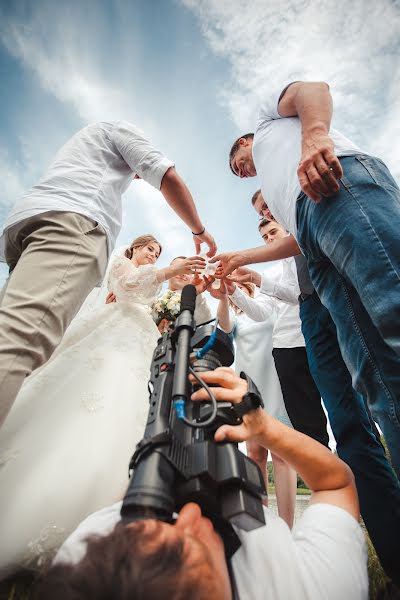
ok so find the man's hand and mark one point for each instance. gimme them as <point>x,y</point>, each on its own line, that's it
<point>241,275</point>
<point>111,298</point>
<point>229,262</point>
<point>319,168</point>
<point>164,326</point>
<point>231,388</point>
<point>208,239</point>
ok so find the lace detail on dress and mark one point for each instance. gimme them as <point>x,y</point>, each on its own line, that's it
<point>44,547</point>
<point>133,284</point>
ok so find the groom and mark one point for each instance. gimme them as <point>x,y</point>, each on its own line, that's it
<point>58,236</point>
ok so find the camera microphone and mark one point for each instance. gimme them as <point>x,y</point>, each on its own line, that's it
<point>184,329</point>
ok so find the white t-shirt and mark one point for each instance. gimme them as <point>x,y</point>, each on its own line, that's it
<point>90,173</point>
<point>324,557</point>
<point>277,153</point>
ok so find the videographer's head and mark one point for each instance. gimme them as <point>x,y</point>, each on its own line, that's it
<point>147,559</point>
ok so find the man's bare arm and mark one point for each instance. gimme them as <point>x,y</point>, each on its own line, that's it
<point>319,168</point>
<point>178,196</point>
<point>276,251</point>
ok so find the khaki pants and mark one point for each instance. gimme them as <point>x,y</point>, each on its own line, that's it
<point>55,260</point>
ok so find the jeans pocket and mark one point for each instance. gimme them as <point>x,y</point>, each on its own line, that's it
<point>377,170</point>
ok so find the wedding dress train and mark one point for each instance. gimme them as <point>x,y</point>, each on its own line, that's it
<point>66,445</point>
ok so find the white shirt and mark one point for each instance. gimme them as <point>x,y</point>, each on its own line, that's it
<point>324,557</point>
<point>277,153</point>
<point>90,173</point>
<point>276,287</point>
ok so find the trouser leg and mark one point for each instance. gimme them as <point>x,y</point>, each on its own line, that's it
<point>357,445</point>
<point>300,394</point>
<point>56,259</point>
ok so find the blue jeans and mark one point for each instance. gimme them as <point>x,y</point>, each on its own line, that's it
<point>352,246</point>
<point>377,485</point>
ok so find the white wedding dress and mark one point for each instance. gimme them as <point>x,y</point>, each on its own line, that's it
<point>66,445</point>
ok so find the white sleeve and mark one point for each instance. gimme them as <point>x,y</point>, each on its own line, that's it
<point>333,553</point>
<point>258,309</point>
<point>202,312</point>
<point>136,284</point>
<point>286,289</point>
<point>145,160</point>
<point>269,105</point>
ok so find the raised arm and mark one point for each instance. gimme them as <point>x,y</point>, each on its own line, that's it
<point>330,479</point>
<point>180,200</point>
<point>258,309</point>
<point>319,168</point>
<point>279,249</point>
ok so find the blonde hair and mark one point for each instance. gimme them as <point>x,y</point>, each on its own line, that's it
<point>251,288</point>
<point>141,241</point>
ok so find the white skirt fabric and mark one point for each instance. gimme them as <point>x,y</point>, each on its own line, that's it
<point>66,445</point>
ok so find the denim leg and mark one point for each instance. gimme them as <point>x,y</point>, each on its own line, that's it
<point>378,488</point>
<point>358,232</point>
<point>352,247</point>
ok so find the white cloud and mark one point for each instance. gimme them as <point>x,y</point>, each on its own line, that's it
<point>57,46</point>
<point>354,46</point>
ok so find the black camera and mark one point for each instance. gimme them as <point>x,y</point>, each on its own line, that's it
<point>178,460</point>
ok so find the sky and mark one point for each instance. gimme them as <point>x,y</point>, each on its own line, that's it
<point>190,74</point>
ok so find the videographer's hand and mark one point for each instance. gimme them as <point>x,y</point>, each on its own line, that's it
<point>231,388</point>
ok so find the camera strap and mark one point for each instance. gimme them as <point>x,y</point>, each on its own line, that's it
<point>251,400</point>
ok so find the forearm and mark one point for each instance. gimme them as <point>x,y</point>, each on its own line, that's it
<point>180,200</point>
<point>316,465</point>
<point>279,249</point>
<point>259,309</point>
<point>223,315</point>
<point>165,274</point>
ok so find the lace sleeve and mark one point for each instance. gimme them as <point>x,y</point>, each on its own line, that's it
<point>133,284</point>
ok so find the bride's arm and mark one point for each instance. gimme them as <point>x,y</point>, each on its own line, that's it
<point>187,266</point>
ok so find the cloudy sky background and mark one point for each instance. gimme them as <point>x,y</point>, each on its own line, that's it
<point>189,73</point>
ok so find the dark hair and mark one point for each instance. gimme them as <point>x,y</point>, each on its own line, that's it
<point>263,223</point>
<point>125,565</point>
<point>176,258</point>
<point>255,196</point>
<point>141,241</point>
<point>236,146</point>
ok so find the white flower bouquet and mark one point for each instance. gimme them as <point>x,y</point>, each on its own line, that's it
<point>166,307</point>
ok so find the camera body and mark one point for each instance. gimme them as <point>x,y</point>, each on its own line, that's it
<point>178,460</point>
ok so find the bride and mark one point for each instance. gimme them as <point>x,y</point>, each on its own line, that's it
<point>66,444</point>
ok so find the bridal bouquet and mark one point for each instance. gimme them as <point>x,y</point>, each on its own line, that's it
<point>167,307</point>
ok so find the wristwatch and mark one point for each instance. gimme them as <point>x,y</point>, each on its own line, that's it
<point>251,400</point>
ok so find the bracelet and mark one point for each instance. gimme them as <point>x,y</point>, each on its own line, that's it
<point>200,232</point>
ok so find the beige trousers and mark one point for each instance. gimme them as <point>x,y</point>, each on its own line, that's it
<point>55,259</point>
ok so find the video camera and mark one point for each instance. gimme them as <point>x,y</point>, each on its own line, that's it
<point>178,460</point>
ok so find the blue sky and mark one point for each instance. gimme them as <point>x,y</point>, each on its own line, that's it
<point>190,74</point>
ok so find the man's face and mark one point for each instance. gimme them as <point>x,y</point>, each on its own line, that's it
<point>272,231</point>
<point>262,209</point>
<point>179,281</point>
<point>203,548</point>
<point>242,163</point>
